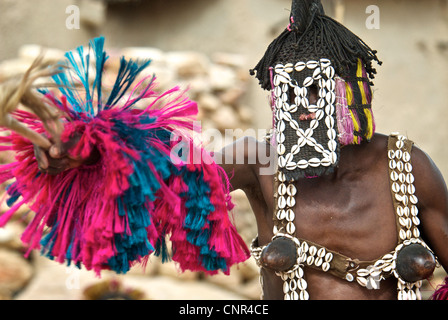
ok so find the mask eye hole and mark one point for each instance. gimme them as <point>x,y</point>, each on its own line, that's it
<point>313,92</point>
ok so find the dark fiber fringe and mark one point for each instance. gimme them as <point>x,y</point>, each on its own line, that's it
<point>328,37</point>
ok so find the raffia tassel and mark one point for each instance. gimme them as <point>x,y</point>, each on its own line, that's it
<point>345,122</point>
<point>441,292</point>
<point>113,214</point>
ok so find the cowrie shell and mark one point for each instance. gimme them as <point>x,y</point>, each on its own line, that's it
<point>282,189</point>
<point>391,154</point>
<point>302,164</point>
<point>406,156</point>
<point>322,93</point>
<point>325,63</point>
<point>329,121</point>
<point>281,162</point>
<point>290,215</point>
<point>332,145</point>
<point>314,124</point>
<point>281,149</point>
<point>289,67</point>
<point>329,72</point>
<point>281,126</point>
<point>331,85</point>
<point>308,81</point>
<point>312,64</point>
<point>304,295</point>
<point>330,97</point>
<point>282,202</point>
<point>362,281</point>
<point>314,162</point>
<point>310,260</point>
<point>313,108</point>
<point>295,149</point>
<point>294,124</point>
<point>279,68</point>
<point>281,214</point>
<point>291,202</point>
<point>320,115</point>
<point>321,252</point>
<point>317,74</point>
<point>305,247</point>
<point>330,110</point>
<point>290,228</point>
<point>305,102</point>
<point>281,177</point>
<point>291,190</point>
<point>291,165</point>
<point>281,138</point>
<point>300,66</point>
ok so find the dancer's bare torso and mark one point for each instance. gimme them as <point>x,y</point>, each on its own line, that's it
<point>349,211</point>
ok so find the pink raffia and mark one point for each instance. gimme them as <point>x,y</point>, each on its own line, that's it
<point>89,212</point>
<point>344,120</point>
<point>224,239</point>
<point>441,292</point>
<point>85,221</point>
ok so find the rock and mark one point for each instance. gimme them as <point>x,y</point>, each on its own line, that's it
<point>229,59</point>
<point>252,289</point>
<point>245,114</point>
<point>168,288</point>
<point>156,56</point>
<point>225,118</point>
<point>208,102</point>
<point>226,281</point>
<point>13,67</point>
<point>232,96</point>
<point>165,77</point>
<point>170,269</point>
<point>112,289</point>
<point>249,270</point>
<point>58,282</point>
<point>187,63</point>
<point>10,236</point>
<point>29,52</point>
<point>195,86</point>
<point>15,273</point>
<point>222,77</point>
<point>243,279</point>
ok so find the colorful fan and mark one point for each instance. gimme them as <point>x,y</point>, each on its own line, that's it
<point>139,196</point>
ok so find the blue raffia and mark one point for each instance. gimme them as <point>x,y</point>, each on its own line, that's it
<point>144,185</point>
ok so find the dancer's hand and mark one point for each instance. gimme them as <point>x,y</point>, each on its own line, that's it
<point>57,159</point>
